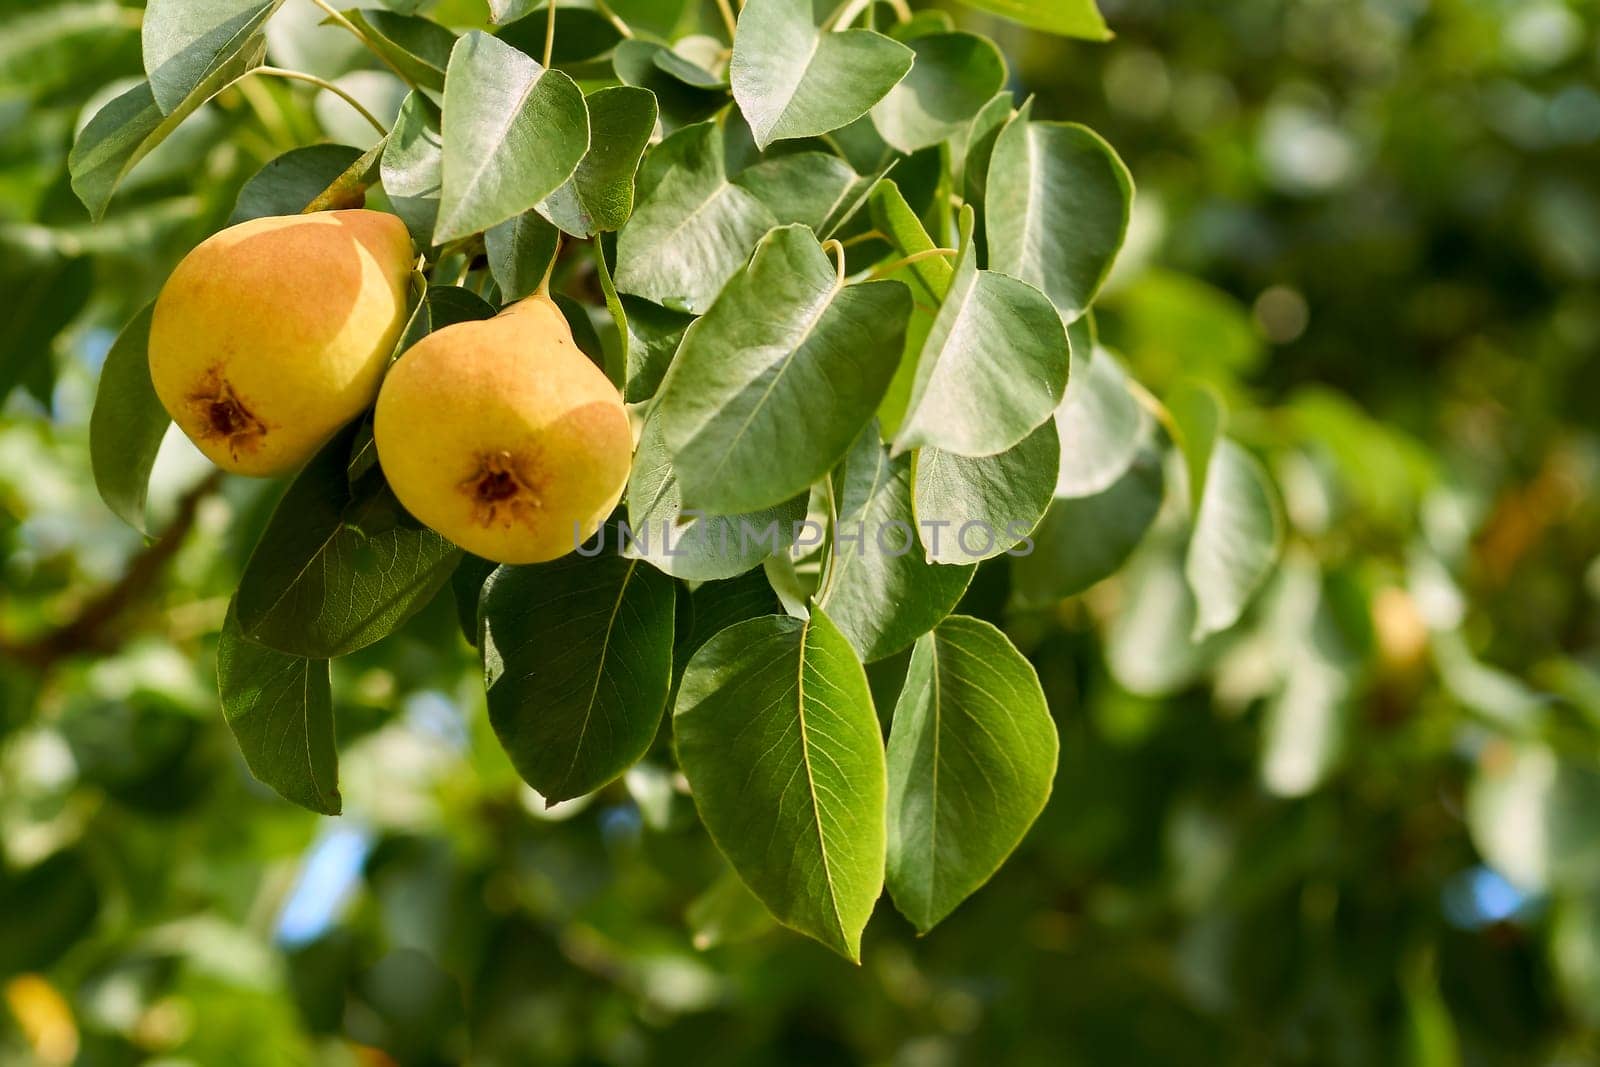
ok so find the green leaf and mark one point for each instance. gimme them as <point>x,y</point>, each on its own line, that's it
<point>1197,416</point>
<point>44,299</point>
<point>186,42</point>
<point>1084,539</point>
<point>694,226</point>
<point>125,130</point>
<point>976,148</point>
<point>739,407</point>
<point>1238,533</point>
<point>896,220</point>
<point>280,709</point>
<point>648,65</point>
<point>654,333</point>
<point>520,252</point>
<point>972,755</point>
<point>793,80</point>
<point>954,76</point>
<point>338,567</point>
<point>1069,18</point>
<point>58,45</point>
<point>1151,646</point>
<point>599,195</point>
<point>1057,206</point>
<point>466,586</point>
<point>971,509</point>
<point>775,731</point>
<point>721,604</point>
<point>128,424</point>
<point>881,590</point>
<point>514,132</point>
<point>1100,423</point>
<point>419,47</point>
<point>694,547</point>
<point>807,188</point>
<point>581,34</point>
<point>726,914</point>
<point>291,181</point>
<point>577,658</point>
<point>994,365</point>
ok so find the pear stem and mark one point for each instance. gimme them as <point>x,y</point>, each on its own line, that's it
<point>549,272</point>
<point>322,83</point>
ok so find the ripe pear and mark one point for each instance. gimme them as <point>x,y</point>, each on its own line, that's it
<point>272,334</point>
<point>502,436</point>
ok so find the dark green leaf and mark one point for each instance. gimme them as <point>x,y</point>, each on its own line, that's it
<point>280,709</point>
<point>337,567</point>
<point>954,76</point>
<point>43,299</point>
<point>520,252</point>
<point>776,733</point>
<point>128,424</point>
<point>1084,539</point>
<point>648,65</point>
<point>45,910</point>
<point>971,758</point>
<point>577,658</point>
<point>287,184</point>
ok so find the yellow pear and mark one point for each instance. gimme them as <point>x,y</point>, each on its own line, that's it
<point>272,334</point>
<point>502,436</point>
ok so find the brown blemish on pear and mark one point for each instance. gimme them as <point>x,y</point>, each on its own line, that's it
<point>223,416</point>
<point>501,491</point>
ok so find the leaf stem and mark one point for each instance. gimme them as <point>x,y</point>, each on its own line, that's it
<point>837,247</point>
<point>886,269</point>
<point>549,31</point>
<point>902,10</point>
<point>612,17</point>
<point>846,14</point>
<point>863,238</point>
<point>728,18</point>
<point>338,18</point>
<point>322,83</point>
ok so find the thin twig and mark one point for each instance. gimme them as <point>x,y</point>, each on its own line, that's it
<point>322,83</point>
<point>847,14</point>
<point>863,238</point>
<point>837,249</point>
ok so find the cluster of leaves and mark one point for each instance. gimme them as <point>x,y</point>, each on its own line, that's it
<point>856,290</point>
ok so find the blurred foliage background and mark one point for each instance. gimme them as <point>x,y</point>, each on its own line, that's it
<point>1362,828</point>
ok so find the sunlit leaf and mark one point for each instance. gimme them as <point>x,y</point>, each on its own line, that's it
<point>775,730</point>
<point>972,508</point>
<point>185,43</point>
<point>1238,533</point>
<point>954,76</point>
<point>971,758</point>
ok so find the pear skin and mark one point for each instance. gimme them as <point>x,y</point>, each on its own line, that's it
<point>272,334</point>
<point>503,436</point>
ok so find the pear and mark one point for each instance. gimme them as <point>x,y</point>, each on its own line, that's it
<point>502,436</point>
<point>272,334</point>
